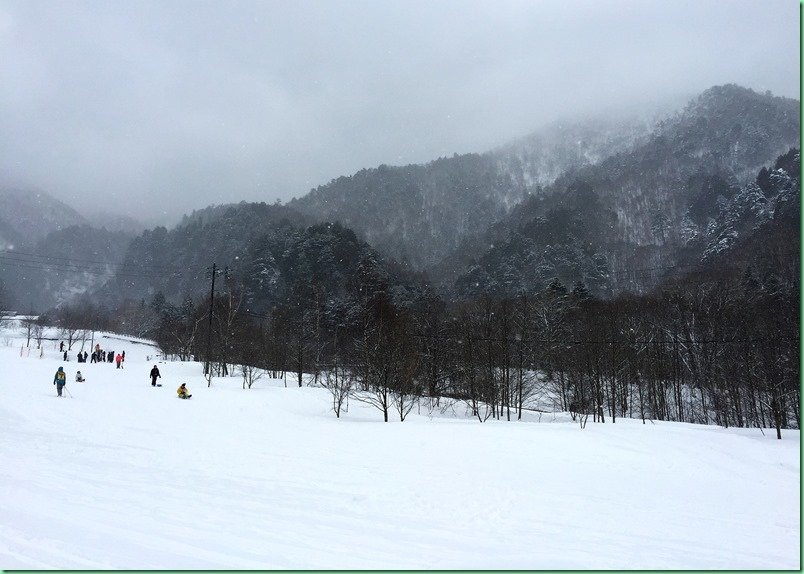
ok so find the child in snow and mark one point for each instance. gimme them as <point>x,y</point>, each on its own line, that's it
<point>60,380</point>
<point>183,392</point>
<point>79,378</point>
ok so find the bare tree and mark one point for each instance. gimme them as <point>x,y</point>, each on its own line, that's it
<point>251,375</point>
<point>339,382</point>
<point>405,391</point>
<point>28,327</point>
<point>377,354</point>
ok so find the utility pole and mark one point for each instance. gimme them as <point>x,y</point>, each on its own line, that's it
<point>207,364</point>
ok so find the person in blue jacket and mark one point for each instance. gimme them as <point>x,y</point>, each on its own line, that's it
<point>60,380</point>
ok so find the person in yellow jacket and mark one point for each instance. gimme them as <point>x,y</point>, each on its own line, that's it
<point>183,392</point>
<point>60,380</point>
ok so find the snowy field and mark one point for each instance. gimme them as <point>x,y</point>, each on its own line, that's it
<point>122,475</point>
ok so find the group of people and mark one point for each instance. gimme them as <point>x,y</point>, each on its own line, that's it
<point>60,379</point>
<point>98,356</point>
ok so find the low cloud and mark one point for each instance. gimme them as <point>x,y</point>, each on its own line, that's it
<point>155,108</point>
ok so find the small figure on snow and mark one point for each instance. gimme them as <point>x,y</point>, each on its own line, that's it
<point>119,359</point>
<point>85,357</point>
<point>183,392</point>
<point>60,380</point>
<point>79,378</point>
<point>61,346</point>
<point>154,375</point>
<point>65,355</point>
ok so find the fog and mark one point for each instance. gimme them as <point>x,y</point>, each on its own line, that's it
<point>152,109</point>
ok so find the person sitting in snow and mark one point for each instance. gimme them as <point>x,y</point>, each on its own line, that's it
<point>60,380</point>
<point>79,378</point>
<point>183,392</point>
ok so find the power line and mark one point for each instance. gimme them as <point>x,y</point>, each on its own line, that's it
<point>66,266</point>
<point>71,260</point>
<point>67,269</point>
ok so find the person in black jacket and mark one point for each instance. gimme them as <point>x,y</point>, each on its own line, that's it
<point>154,375</point>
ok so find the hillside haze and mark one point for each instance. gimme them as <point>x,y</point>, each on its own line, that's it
<point>576,201</point>
<point>594,199</point>
<point>50,253</point>
<point>637,208</point>
<point>418,214</point>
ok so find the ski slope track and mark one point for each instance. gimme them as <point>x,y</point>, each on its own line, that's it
<point>123,475</point>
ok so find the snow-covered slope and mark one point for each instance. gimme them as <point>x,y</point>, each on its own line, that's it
<point>123,475</point>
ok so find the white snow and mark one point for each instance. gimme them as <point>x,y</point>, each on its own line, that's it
<point>121,475</point>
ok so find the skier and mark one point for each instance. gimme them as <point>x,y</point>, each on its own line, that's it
<point>118,359</point>
<point>60,380</point>
<point>154,375</point>
<point>79,378</point>
<point>183,392</point>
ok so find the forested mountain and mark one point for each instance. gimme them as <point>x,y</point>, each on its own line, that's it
<point>609,203</point>
<point>177,262</point>
<point>575,238</point>
<point>325,260</point>
<point>640,208</point>
<point>27,216</point>
<point>64,264</point>
<point>418,214</point>
<point>49,253</point>
<point>270,252</point>
<point>116,222</point>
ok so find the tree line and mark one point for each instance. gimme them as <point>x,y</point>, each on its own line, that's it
<point>712,348</point>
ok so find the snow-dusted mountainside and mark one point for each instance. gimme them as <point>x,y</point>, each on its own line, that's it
<point>640,208</point>
<point>49,253</point>
<point>585,201</point>
<point>177,262</point>
<point>542,157</point>
<point>29,215</point>
<point>63,265</point>
<point>643,171</point>
<point>418,214</point>
<point>123,475</point>
<point>115,222</point>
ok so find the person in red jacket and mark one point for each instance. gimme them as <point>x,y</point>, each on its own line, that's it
<point>118,359</point>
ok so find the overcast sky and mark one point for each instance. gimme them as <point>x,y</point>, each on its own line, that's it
<point>155,108</point>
